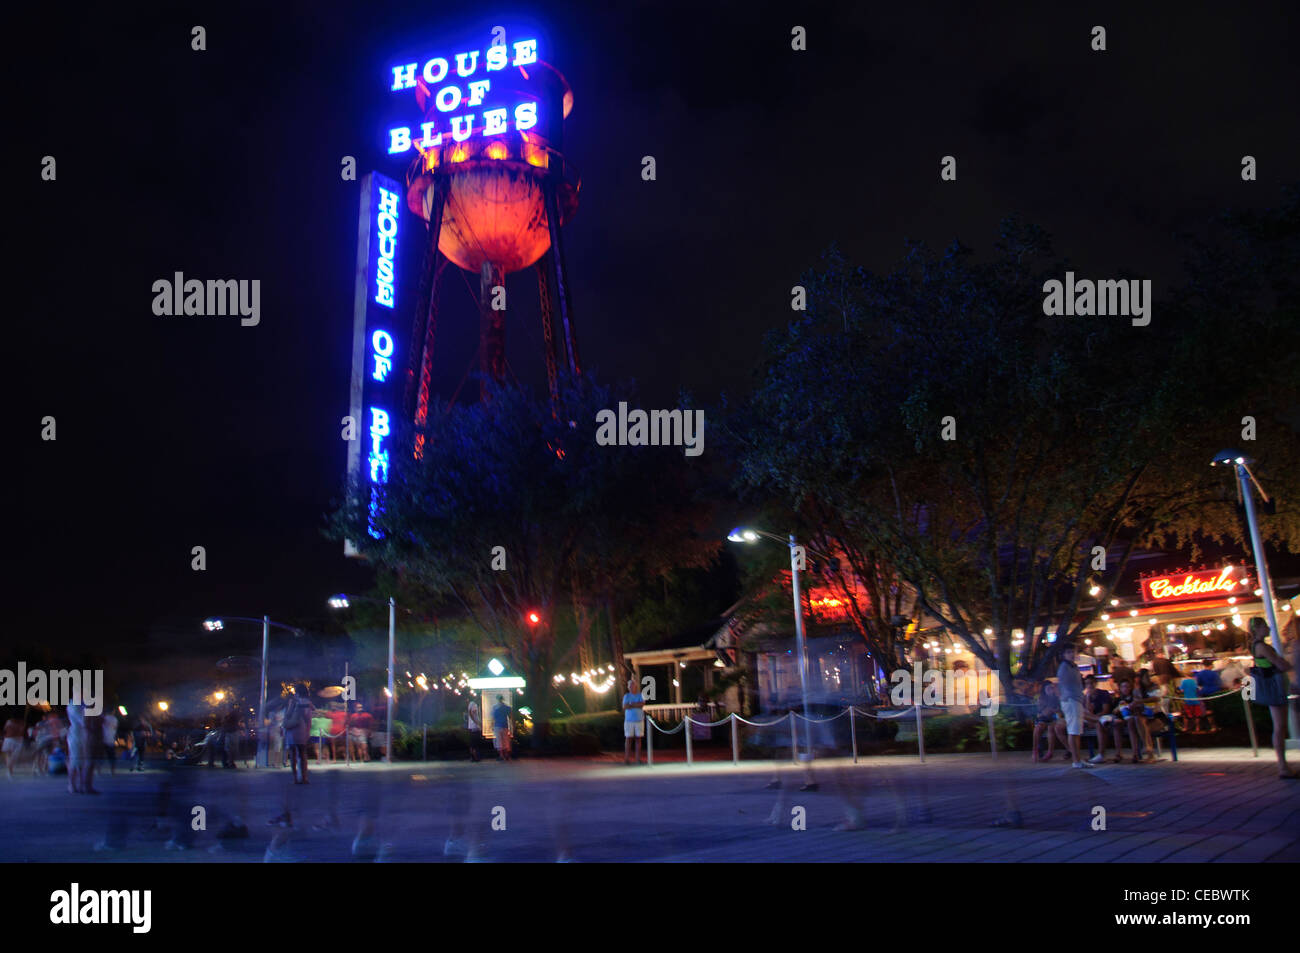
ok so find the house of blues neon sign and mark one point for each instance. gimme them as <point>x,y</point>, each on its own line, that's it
<point>468,94</point>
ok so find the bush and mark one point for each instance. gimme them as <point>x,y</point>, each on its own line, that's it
<point>587,734</point>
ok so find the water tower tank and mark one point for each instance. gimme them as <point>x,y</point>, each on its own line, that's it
<point>496,209</point>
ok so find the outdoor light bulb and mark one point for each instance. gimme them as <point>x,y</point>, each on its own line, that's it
<point>212,625</point>
<point>1093,591</point>
<point>495,667</point>
<point>988,631</point>
<point>1132,612</point>
<point>162,706</point>
<point>1105,616</point>
<point>1259,592</point>
<point>1087,641</point>
<point>1239,460</point>
<point>676,683</point>
<point>121,710</point>
<point>1232,600</point>
<point>1114,602</point>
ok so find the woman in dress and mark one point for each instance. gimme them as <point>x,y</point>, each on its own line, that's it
<point>1269,679</point>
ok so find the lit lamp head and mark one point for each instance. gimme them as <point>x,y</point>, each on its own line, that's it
<point>339,601</point>
<point>213,625</point>
<point>1227,457</point>
<point>495,667</point>
<point>739,535</point>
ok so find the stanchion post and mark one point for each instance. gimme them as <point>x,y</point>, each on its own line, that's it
<point>920,734</point>
<point>794,742</point>
<point>993,738</point>
<point>649,742</point>
<point>853,734</point>
<point>735,741</point>
<point>686,730</point>
<point>1250,724</point>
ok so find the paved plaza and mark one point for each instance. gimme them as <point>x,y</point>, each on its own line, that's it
<point>1212,805</point>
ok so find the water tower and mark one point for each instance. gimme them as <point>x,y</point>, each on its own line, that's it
<point>490,180</point>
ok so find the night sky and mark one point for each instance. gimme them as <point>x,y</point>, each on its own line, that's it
<point>183,431</point>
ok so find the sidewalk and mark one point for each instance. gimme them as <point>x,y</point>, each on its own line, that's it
<point>1212,805</point>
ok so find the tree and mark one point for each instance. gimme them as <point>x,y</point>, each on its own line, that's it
<point>937,425</point>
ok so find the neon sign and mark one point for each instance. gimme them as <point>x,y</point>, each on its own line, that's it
<point>1192,585</point>
<point>375,395</point>
<point>463,95</point>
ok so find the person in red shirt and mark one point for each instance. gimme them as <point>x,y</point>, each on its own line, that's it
<point>361,724</point>
<point>338,730</point>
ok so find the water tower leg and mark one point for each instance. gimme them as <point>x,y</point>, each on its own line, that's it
<point>425,320</point>
<point>492,330</point>
<point>548,326</point>
<point>561,278</point>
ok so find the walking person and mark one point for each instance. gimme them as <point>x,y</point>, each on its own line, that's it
<point>109,739</point>
<point>81,747</point>
<point>297,730</point>
<point>14,738</point>
<point>633,721</point>
<point>501,728</point>
<point>141,737</point>
<point>474,725</point>
<point>1269,680</point>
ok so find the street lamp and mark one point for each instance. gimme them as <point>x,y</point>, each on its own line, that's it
<point>1240,464</point>
<point>216,624</point>
<point>343,601</point>
<point>739,535</point>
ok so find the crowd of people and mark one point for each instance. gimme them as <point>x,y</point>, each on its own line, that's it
<point>1141,706</point>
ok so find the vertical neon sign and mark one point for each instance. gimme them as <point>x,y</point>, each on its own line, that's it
<point>374,342</point>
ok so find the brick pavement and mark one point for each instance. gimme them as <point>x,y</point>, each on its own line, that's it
<point>1213,805</point>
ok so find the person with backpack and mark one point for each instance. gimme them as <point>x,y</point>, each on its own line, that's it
<point>297,730</point>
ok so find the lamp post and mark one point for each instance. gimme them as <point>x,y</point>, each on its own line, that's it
<point>216,624</point>
<point>343,601</point>
<point>1240,464</point>
<point>739,535</point>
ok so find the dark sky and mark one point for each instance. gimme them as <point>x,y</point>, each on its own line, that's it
<point>183,431</point>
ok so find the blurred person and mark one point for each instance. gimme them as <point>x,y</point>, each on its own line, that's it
<point>1049,710</point>
<point>15,736</point>
<point>1231,674</point>
<point>230,738</point>
<point>109,739</point>
<point>361,724</point>
<point>633,721</point>
<point>298,713</point>
<point>501,728</point>
<point>1270,683</point>
<point>84,733</point>
<point>1139,717</point>
<point>474,725</point>
<point>141,736</point>
<point>1194,710</point>
<point>1208,681</point>
<point>48,737</point>
<point>339,730</point>
<point>320,730</point>
<point>276,754</point>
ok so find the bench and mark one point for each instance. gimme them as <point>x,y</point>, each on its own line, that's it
<point>1171,734</point>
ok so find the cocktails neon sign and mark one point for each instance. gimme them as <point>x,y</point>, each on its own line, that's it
<point>1192,585</point>
<point>465,96</point>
